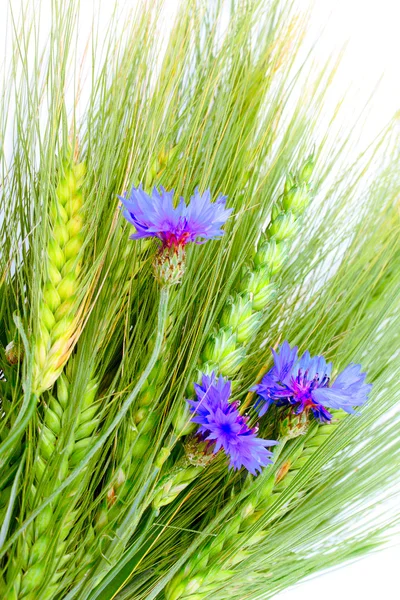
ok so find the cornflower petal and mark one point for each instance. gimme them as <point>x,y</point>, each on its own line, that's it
<point>305,384</point>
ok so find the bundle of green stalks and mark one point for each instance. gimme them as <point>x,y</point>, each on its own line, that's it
<point>105,489</point>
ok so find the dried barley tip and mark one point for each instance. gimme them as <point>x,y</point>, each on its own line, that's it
<point>14,353</point>
<point>155,216</point>
<point>304,384</point>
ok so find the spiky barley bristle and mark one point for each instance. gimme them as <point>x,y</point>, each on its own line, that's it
<point>57,319</point>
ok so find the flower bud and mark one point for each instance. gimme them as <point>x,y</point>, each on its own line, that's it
<point>53,274</point>
<point>86,429</point>
<point>142,443</point>
<point>283,227</point>
<point>276,211</point>
<point>74,205</point>
<point>197,452</point>
<point>292,425</point>
<point>232,363</point>
<point>219,345</point>
<point>33,577</point>
<point>65,308</point>
<point>169,265</point>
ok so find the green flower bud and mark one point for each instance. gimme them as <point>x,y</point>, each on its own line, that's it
<point>53,421</point>
<point>43,520</point>
<point>148,423</point>
<point>221,350</point>
<point>86,429</point>
<point>62,330</point>
<point>47,443</point>
<point>65,308</point>
<point>276,211</point>
<point>141,445</point>
<point>283,227</point>
<point>79,171</point>
<point>58,213</point>
<point>169,265</point>
<point>292,425</point>
<point>74,205</point>
<point>62,391</point>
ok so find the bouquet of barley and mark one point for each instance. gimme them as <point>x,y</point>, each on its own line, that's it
<point>199,308</point>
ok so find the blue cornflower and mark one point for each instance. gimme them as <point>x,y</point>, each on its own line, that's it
<point>155,216</point>
<point>305,384</point>
<point>221,424</point>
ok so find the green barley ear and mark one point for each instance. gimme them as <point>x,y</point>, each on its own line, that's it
<point>57,320</point>
<point>215,561</point>
<point>225,350</point>
<point>43,554</point>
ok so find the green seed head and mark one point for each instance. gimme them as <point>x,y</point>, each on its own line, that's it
<point>271,254</point>
<point>283,227</point>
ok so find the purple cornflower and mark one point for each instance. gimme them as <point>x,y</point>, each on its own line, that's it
<point>305,384</point>
<point>155,216</point>
<point>221,424</point>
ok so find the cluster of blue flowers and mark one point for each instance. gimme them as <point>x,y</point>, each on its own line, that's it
<point>299,384</point>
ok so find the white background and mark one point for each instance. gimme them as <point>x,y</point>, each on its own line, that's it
<point>372,29</point>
